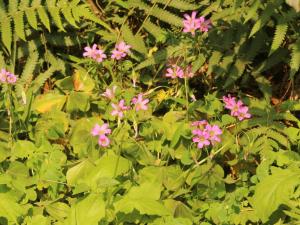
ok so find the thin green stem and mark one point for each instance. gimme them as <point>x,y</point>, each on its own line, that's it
<point>186,87</point>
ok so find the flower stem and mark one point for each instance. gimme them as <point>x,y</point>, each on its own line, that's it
<point>186,87</point>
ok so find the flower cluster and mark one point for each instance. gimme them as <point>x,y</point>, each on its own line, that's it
<point>120,51</point>
<point>175,71</point>
<point>94,53</point>
<point>205,134</point>
<point>7,77</point>
<point>238,109</point>
<point>191,23</point>
<point>101,132</point>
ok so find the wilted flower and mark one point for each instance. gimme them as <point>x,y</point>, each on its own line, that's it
<point>174,71</point>
<point>120,51</point>
<point>118,109</point>
<point>110,93</point>
<point>140,103</point>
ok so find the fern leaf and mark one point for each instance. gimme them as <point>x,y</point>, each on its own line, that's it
<point>31,18</point>
<point>158,57</point>
<point>295,60</point>
<point>6,33</point>
<point>84,11</point>
<point>252,12</point>
<point>179,4</point>
<point>136,41</point>
<point>44,17</point>
<point>155,31</point>
<point>166,16</point>
<point>13,6</point>
<point>67,12</point>
<point>214,61</point>
<point>2,9</point>
<point>19,25</point>
<point>279,36</point>
<point>236,71</point>
<point>41,79</point>
<point>55,13</point>
<point>263,19</point>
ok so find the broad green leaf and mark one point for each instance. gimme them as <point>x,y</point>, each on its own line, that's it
<point>274,190</point>
<point>47,102</point>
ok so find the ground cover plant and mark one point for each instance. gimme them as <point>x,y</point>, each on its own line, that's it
<point>157,112</point>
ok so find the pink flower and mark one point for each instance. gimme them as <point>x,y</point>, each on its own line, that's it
<point>120,51</point>
<point>90,51</point>
<point>11,78</point>
<point>100,130</point>
<point>188,73</point>
<point>140,103</point>
<point>200,124</point>
<point>229,102</point>
<point>94,53</point>
<point>202,139</point>
<point>3,75</point>
<point>99,55</point>
<point>110,93</point>
<point>205,25</point>
<point>236,107</point>
<point>191,23</point>
<point>103,140</point>
<point>243,113</point>
<point>118,110</point>
<point>214,133</point>
<point>174,72</point>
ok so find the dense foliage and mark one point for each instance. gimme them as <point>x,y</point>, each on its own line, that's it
<point>157,112</point>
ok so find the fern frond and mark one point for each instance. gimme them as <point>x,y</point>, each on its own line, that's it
<point>179,4</point>
<point>166,16</point>
<point>44,17</point>
<point>38,83</point>
<point>158,33</point>
<point>31,18</point>
<point>6,33</point>
<point>55,13</point>
<point>19,25</point>
<point>136,41</point>
<point>280,32</point>
<point>263,19</point>
<point>252,12</point>
<point>295,59</point>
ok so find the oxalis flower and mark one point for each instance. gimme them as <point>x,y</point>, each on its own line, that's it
<point>121,50</point>
<point>94,53</point>
<point>191,23</point>
<point>101,132</point>
<point>237,108</point>
<point>140,103</point>
<point>7,77</point>
<point>118,109</point>
<point>205,134</point>
<point>110,93</point>
<point>174,72</point>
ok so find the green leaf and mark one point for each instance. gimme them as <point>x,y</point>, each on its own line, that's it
<point>44,17</point>
<point>19,25</point>
<point>89,210</point>
<point>9,208</point>
<point>274,190</point>
<point>6,33</point>
<point>280,32</point>
<point>47,102</point>
<point>78,101</point>
<point>31,17</point>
